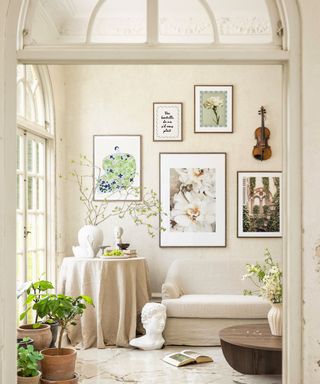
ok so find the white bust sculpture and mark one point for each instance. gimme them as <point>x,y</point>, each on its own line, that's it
<point>118,232</point>
<point>153,317</point>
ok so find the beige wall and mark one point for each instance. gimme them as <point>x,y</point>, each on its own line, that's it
<point>118,99</point>
<point>310,13</point>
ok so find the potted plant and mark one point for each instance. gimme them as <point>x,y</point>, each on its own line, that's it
<point>27,365</point>
<point>41,333</point>
<point>59,363</point>
<point>24,342</point>
<point>267,278</point>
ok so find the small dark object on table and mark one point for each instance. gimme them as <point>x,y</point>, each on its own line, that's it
<point>123,246</point>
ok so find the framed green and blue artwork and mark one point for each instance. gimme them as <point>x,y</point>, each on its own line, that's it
<point>213,109</point>
<point>117,167</point>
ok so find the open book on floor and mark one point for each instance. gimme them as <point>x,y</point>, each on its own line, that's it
<point>185,357</point>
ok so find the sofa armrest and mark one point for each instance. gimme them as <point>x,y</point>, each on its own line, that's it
<point>170,291</point>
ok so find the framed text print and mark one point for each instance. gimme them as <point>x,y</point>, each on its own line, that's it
<point>193,199</point>
<point>167,121</point>
<point>213,109</point>
<point>259,204</point>
<point>117,167</point>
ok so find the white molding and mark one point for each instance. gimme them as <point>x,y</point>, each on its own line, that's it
<point>34,128</point>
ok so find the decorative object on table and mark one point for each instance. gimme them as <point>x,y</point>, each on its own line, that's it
<point>58,364</point>
<point>142,212</point>
<point>42,334</point>
<point>117,167</point>
<point>259,204</point>
<point>267,278</point>
<point>262,151</point>
<point>153,317</point>
<point>123,246</point>
<point>179,359</point>
<point>27,365</point>
<point>90,238</point>
<point>213,109</point>
<point>118,232</point>
<point>167,121</point>
<point>193,199</point>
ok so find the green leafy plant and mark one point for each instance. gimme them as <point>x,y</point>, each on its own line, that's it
<point>35,291</point>
<point>27,363</point>
<point>267,278</point>
<point>141,212</point>
<point>65,310</point>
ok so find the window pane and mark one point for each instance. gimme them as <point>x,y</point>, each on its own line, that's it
<point>20,233</point>
<point>30,155</point>
<point>30,193</point>
<point>121,21</point>
<point>21,99</point>
<point>41,232</point>
<point>32,235</point>
<point>184,21</point>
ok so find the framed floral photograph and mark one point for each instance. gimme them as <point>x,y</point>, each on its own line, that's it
<point>117,167</point>
<point>213,110</point>
<point>167,121</point>
<point>259,204</point>
<point>193,199</point>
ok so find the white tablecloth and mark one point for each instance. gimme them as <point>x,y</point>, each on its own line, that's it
<point>119,289</point>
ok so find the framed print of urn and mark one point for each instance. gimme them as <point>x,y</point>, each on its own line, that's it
<point>193,199</point>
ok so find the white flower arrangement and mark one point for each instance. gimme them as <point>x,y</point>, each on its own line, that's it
<point>214,102</point>
<point>267,278</point>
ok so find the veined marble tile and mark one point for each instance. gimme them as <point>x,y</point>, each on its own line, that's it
<point>124,365</point>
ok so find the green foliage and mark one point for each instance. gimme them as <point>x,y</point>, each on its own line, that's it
<point>65,310</point>
<point>256,210</point>
<point>141,211</point>
<point>267,278</point>
<point>245,219</point>
<point>252,184</point>
<point>27,363</point>
<point>266,210</point>
<point>265,182</point>
<point>35,291</point>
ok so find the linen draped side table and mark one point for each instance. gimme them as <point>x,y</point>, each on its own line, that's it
<point>119,289</point>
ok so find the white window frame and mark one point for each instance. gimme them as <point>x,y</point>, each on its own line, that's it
<point>291,61</point>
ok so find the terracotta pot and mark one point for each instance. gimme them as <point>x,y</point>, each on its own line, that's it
<point>41,336</point>
<point>58,364</point>
<point>74,380</point>
<point>28,380</point>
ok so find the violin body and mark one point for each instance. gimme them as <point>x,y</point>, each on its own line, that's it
<point>262,150</point>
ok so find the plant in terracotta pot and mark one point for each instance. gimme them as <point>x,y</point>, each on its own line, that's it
<point>267,278</point>
<point>41,333</point>
<point>27,365</point>
<point>59,363</point>
<point>24,342</point>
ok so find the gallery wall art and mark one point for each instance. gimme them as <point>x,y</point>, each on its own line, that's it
<point>117,167</point>
<point>167,121</point>
<point>193,199</point>
<point>213,109</point>
<point>259,204</point>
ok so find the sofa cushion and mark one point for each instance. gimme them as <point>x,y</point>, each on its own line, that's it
<point>218,306</point>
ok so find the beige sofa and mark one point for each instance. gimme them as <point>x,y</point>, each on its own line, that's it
<point>202,297</point>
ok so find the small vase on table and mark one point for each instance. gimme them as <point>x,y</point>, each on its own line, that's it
<point>275,319</point>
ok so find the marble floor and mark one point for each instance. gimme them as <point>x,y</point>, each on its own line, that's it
<point>123,365</point>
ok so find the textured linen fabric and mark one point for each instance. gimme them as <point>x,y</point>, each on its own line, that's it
<point>218,307</point>
<point>119,289</point>
<point>200,332</point>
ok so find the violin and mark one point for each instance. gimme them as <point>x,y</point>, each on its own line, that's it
<point>262,150</point>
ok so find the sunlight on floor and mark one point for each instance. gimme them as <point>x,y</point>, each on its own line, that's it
<point>122,365</point>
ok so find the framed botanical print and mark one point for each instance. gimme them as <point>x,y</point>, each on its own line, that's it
<point>193,199</point>
<point>117,167</point>
<point>259,204</point>
<point>167,121</point>
<point>213,110</point>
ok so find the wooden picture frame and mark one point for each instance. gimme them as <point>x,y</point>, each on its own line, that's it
<point>213,109</point>
<point>167,121</point>
<point>193,199</point>
<point>259,204</point>
<point>117,167</point>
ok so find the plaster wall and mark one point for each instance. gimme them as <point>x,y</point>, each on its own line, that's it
<point>118,100</point>
<point>310,15</point>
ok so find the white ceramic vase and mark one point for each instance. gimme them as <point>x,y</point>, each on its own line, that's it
<point>90,239</point>
<point>275,319</point>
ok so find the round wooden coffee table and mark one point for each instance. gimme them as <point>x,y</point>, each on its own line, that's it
<point>252,350</point>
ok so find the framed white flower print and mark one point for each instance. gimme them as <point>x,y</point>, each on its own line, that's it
<point>117,167</point>
<point>259,204</point>
<point>193,199</point>
<point>167,121</point>
<point>213,110</point>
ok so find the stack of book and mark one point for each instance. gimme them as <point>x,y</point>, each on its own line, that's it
<point>130,252</point>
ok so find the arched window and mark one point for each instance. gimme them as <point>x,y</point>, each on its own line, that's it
<point>156,22</point>
<point>34,164</point>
